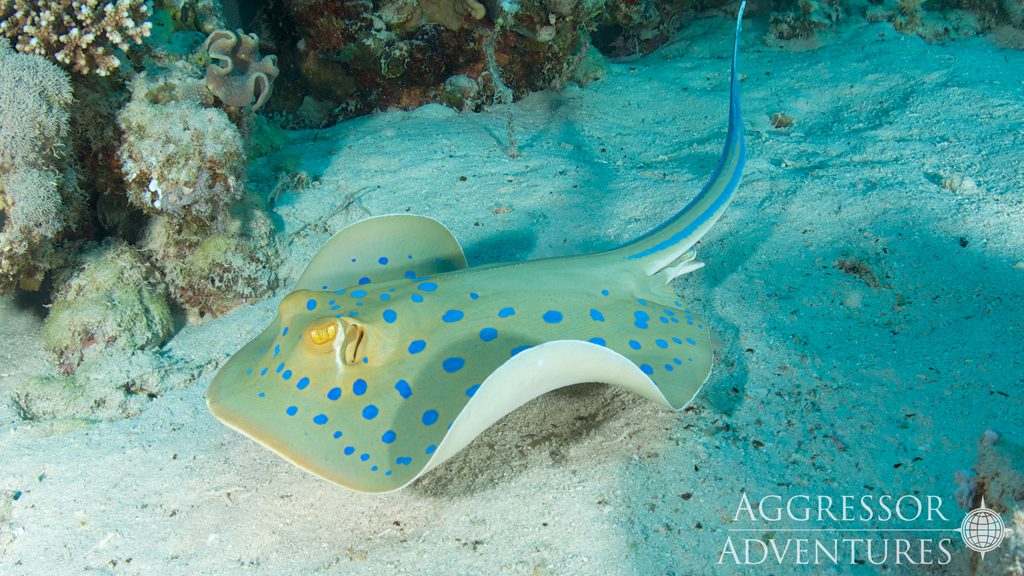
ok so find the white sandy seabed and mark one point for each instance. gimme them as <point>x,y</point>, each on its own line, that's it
<point>904,157</point>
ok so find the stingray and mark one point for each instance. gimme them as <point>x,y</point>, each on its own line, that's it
<point>391,354</point>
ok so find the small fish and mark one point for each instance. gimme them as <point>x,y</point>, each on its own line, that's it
<point>391,355</point>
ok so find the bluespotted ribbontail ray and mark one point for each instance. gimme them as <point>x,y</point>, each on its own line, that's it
<point>391,355</point>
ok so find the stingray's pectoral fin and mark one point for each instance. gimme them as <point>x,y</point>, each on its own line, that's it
<point>381,249</point>
<point>554,365</point>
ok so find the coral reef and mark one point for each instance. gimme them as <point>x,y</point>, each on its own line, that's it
<point>177,156</point>
<point>80,34</point>
<point>802,19</point>
<point>183,162</point>
<point>209,272</point>
<point>39,196</point>
<point>237,75</point>
<point>359,56</point>
<point>116,299</point>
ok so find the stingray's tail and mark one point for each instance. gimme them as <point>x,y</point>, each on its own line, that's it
<point>666,250</point>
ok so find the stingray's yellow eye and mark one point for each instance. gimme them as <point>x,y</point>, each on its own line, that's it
<point>323,334</point>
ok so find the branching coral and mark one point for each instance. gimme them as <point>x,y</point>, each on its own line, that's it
<point>236,74</point>
<point>80,34</point>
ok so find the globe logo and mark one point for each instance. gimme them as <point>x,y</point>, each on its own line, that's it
<point>982,529</point>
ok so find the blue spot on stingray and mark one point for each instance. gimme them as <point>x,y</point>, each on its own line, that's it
<point>473,295</point>
<point>417,346</point>
<point>301,384</point>
<point>599,341</point>
<point>677,340</point>
<point>385,296</point>
<point>674,320</point>
<point>388,473</point>
<point>472,390</point>
<point>429,417</point>
<point>634,344</point>
<point>519,349</point>
<point>664,319</point>
<point>382,261</point>
<point>337,434</point>
<point>596,315</point>
<point>641,301</point>
<point>604,292</point>
<point>410,274</point>
<point>370,412</point>
<point>669,367</point>
<point>248,372</point>
<point>488,334</point>
<point>677,361</point>
<point>364,280</point>
<point>506,312</point>
<point>661,343</point>
<point>641,319</point>
<point>285,331</point>
<point>287,374</point>
<point>687,310</point>
<point>335,307</point>
<point>427,286</point>
<point>552,316</point>
<point>689,321</point>
<point>403,460</point>
<point>351,314</point>
<point>262,394</point>
<point>409,256</point>
<point>417,298</point>
<point>349,450</point>
<point>373,468</point>
<point>669,312</point>
<point>390,316</point>
<point>430,449</point>
<point>453,364</point>
<point>311,304</point>
<point>342,291</point>
<point>277,350</point>
<point>646,369</point>
<point>320,419</point>
<point>292,410</point>
<point>364,456</point>
<point>263,372</point>
<point>358,293</point>
<point>279,367</point>
<point>388,437</point>
<point>404,390</point>
<point>691,341</point>
<point>452,316</point>
<point>700,326</point>
<point>334,393</point>
<point>359,387</point>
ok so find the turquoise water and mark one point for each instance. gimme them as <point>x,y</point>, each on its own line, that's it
<point>862,291</point>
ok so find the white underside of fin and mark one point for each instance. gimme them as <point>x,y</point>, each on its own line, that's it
<point>535,372</point>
